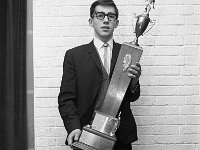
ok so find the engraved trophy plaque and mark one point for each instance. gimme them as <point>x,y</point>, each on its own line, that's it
<point>100,135</point>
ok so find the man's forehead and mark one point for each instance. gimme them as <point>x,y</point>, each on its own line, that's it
<point>105,9</point>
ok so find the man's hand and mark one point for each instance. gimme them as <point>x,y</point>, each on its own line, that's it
<point>73,136</point>
<point>134,72</point>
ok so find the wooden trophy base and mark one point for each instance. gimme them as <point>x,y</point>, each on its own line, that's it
<point>100,135</point>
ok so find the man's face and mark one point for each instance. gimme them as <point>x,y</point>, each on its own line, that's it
<point>103,28</point>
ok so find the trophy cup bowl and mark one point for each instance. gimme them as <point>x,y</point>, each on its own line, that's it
<point>141,25</point>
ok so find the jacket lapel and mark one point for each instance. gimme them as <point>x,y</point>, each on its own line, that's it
<point>115,53</point>
<point>94,55</point>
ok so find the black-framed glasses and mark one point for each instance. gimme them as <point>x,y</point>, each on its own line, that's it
<point>101,15</point>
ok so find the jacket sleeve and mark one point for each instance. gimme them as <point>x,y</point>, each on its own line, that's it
<point>131,95</point>
<point>67,97</point>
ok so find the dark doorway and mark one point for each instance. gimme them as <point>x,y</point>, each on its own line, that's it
<point>13,98</point>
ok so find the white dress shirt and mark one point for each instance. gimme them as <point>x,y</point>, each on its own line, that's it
<point>99,46</point>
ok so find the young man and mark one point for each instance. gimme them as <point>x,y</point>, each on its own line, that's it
<point>83,73</point>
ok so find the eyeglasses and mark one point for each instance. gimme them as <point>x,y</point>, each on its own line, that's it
<point>101,15</point>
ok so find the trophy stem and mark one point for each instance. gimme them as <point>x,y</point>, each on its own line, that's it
<point>135,42</point>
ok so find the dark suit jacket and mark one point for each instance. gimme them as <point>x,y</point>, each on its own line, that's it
<point>81,81</point>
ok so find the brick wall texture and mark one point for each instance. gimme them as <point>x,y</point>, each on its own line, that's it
<point>168,111</point>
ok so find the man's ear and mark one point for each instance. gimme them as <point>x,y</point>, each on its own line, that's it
<point>90,22</point>
<point>117,23</point>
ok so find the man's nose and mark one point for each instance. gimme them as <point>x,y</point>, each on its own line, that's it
<point>106,19</point>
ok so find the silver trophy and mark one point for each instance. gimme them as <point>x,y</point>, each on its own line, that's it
<point>100,134</point>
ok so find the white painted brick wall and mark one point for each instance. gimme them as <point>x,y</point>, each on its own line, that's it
<point>168,111</point>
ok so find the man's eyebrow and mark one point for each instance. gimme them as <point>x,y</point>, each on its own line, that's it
<point>105,13</point>
<point>100,12</point>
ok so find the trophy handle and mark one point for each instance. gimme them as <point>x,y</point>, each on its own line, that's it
<point>153,23</point>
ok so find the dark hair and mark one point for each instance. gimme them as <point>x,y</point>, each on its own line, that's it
<point>103,3</point>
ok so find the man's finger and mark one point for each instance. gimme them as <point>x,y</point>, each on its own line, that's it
<point>70,139</point>
<point>132,71</point>
<point>77,135</point>
<point>138,64</point>
<point>137,68</point>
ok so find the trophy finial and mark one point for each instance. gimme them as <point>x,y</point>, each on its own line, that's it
<point>148,5</point>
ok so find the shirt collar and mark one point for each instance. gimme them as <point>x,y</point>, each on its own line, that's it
<point>98,43</point>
